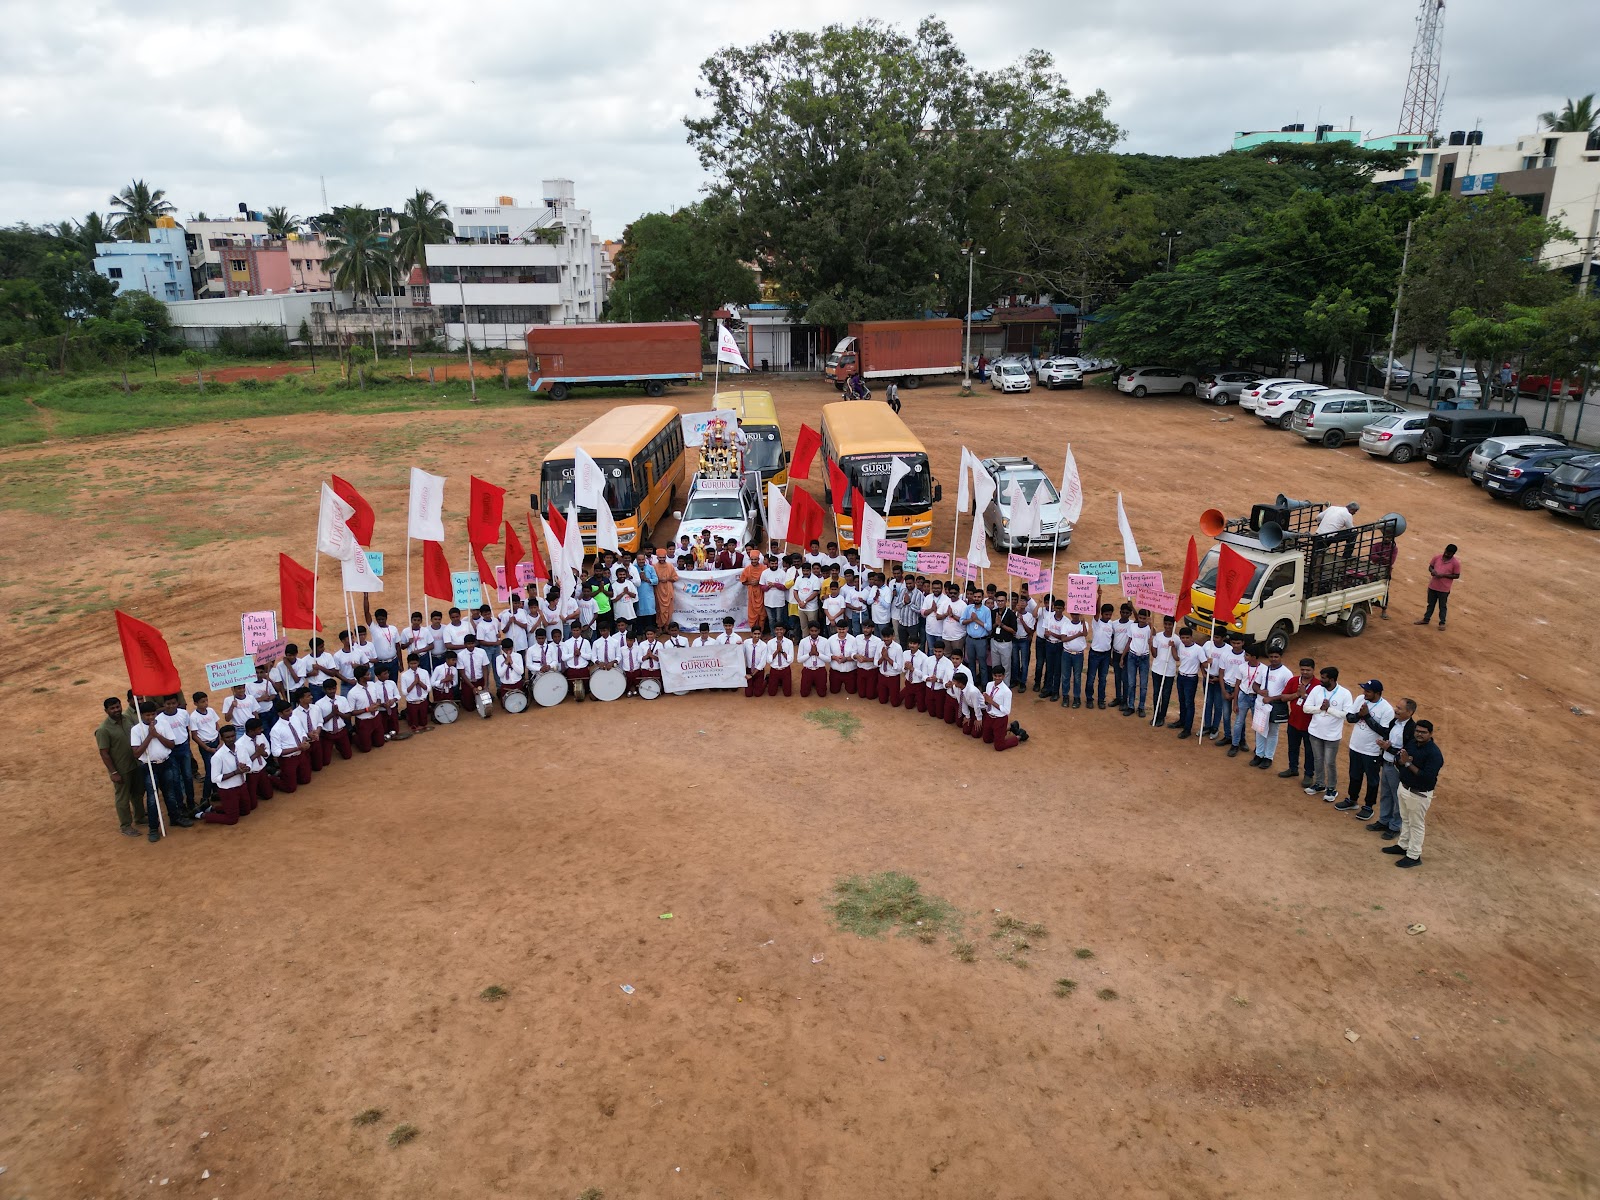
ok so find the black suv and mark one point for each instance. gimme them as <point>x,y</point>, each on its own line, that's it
<point>1453,434</point>
<point>1573,490</point>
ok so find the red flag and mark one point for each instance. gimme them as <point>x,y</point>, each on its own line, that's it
<point>540,571</point>
<point>1234,572</point>
<point>514,555</point>
<point>1191,572</point>
<point>806,519</point>
<point>297,587</point>
<point>150,669</point>
<point>487,504</point>
<point>805,449</point>
<point>558,524</point>
<point>485,571</point>
<point>858,505</point>
<point>360,521</point>
<point>436,572</point>
<point>838,485</point>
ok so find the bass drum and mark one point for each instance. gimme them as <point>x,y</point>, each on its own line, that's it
<point>445,712</point>
<point>549,688</point>
<point>516,701</point>
<point>608,683</point>
<point>649,689</point>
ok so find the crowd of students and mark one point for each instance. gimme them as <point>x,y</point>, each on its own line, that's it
<point>959,654</point>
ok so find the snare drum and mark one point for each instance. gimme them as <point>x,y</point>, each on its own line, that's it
<point>608,683</point>
<point>484,704</point>
<point>649,688</point>
<point>549,688</point>
<point>445,712</point>
<point>515,701</point>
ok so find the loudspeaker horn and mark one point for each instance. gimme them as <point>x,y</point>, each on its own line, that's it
<point>1213,522</point>
<point>1399,522</point>
<point>1285,502</point>
<point>1270,535</point>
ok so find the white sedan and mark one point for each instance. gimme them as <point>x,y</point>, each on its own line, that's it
<point>1143,381</point>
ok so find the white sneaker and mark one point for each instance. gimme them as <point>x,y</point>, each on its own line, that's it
<point>1312,791</point>
<point>1331,797</point>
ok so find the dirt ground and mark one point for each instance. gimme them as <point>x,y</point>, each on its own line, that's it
<point>228,1000</point>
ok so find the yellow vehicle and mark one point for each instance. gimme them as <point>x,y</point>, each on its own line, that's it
<point>758,418</point>
<point>863,439</point>
<point>639,449</point>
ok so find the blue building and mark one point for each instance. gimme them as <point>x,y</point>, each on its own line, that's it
<point>159,266</point>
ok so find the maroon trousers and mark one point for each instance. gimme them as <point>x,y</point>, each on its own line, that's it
<point>417,715</point>
<point>952,708</point>
<point>369,734</point>
<point>389,720</point>
<point>756,685</point>
<point>338,740</point>
<point>889,690</point>
<point>867,682</point>
<point>813,678</point>
<point>839,681</point>
<point>288,773</point>
<point>225,809</point>
<point>256,788</point>
<point>780,679</point>
<point>995,729</point>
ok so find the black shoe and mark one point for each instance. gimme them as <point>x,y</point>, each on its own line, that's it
<point>1377,827</point>
<point>1233,752</point>
<point>1265,764</point>
<point>1022,735</point>
<point>1393,850</point>
<point>1183,733</point>
<point>1390,834</point>
<point>1255,761</point>
<point>1344,805</point>
<point>1411,862</point>
<point>183,822</point>
<point>1289,774</point>
<point>1141,710</point>
<point>1127,712</point>
<point>1077,702</point>
<point>1364,813</point>
<point>1158,724</point>
<point>155,835</point>
<point>1014,727</point>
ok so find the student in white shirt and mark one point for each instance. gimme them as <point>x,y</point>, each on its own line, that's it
<point>475,673</point>
<point>153,749</point>
<point>807,592</point>
<point>304,718</point>
<point>417,639</point>
<point>455,633</point>
<point>288,748</point>
<point>969,703</point>
<point>1022,648</point>
<point>237,708</point>
<point>624,599</point>
<point>254,756</point>
<point>815,652</point>
<point>324,666</point>
<point>1214,656</point>
<point>1248,677</point>
<point>227,782</point>
<point>841,651</point>
<point>446,681</point>
<point>416,687</point>
<point>1274,693</point>
<point>891,672</point>
<point>675,637</point>
<point>1136,664</point>
<point>869,648</point>
<point>756,656</point>
<point>1073,629</point>
<point>1191,663</point>
<point>510,671</point>
<point>1369,719</point>
<point>486,629</point>
<point>204,722</point>
<point>517,624</point>
<point>575,662</point>
<point>606,650</point>
<point>998,727</point>
<point>1328,704</point>
<point>854,606</point>
<point>329,714</point>
<point>880,603</point>
<point>1101,638</point>
<point>364,705</point>
<point>261,690</point>
<point>290,673</point>
<point>384,638</point>
<point>933,610</point>
<point>955,619</point>
<point>345,662</point>
<point>544,654</point>
<point>1121,632</point>
<point>173,722</point>
<point>1163,670</point>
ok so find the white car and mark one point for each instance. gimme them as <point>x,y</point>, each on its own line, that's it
<point>724,508</point>
<point>1009,375</point>
<point>1061,372</point>
<point>1452,382</point>
<point>1143,381</point>
<point>1251,396</point>
<point>1277,404</point>
<point>1005,470</point>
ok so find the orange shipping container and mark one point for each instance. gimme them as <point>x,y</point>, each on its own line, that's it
<point>653,355</point>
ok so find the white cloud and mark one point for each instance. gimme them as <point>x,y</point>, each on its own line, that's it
<point>488,97</point>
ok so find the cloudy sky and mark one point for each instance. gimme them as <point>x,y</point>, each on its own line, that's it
<point>474,99</point>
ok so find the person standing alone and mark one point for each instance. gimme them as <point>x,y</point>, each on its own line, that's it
<point>1443,570</point>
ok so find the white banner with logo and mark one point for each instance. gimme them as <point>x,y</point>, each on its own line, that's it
<point>708,667</point>
<point>708,596</point>
<point>694,424</point>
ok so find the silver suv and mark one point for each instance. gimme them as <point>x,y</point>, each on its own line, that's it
<point>1334,416</point>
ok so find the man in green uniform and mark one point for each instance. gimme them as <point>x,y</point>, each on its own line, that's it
<point>116,752</point>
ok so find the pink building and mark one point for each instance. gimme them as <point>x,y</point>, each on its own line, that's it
<point>259,266</point>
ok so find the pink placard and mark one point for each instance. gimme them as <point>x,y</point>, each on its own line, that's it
<point>502,594</point>
<point>932,562</point>
<point>1083,593</point>
<point>892,550</point>
<point>1162,603</point>
<point>1023,567</point>
<point>525,574</point>
<point>1135,584</point>
<point>965,570</point>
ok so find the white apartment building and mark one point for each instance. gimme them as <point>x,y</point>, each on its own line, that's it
<point>205,256</point>
<point>513,266</point>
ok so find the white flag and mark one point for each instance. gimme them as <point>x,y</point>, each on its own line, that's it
<point>777,514</point>
<point>588,480</point>
<point>1024,519</point>
<point>728,348</point>
<point>555,552</point>
<point>964,480</point>
<point>898,470</point>
<point>333,535</point>
<point>1071,490</point>
<point>426,520</point>
<point>605,527</point>
<point>572,553</point>
<point>358,576</point>
<point>982,493</point>
<point>1036,512</point>
<point>1130,548</point>
<point>872,527</point>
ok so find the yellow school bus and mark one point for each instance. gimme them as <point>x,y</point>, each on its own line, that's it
<point>639,449</point>
<point>864,438</point>
<point>758,418</point>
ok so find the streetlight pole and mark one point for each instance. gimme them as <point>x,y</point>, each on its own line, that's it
<point>1170,235</point>
<point>967,252</point>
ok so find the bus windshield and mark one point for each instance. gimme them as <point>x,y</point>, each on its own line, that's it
<point>763,449</point>
<point>555,486</point>
<point>870,473</point>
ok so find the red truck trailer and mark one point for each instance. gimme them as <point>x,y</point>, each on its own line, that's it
<point>907,352</point>
<point>562,357</point>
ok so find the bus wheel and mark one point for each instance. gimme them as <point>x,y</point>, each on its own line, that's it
<point>559,391</point>
<point>655,387</point>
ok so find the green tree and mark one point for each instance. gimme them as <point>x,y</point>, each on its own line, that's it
<point>857,159</point>
<point>677,266</point>
<point>1560,340</point>
<point>424,222</point>
<point>149,314</point>
<point>138,206</point>
<point>116,341</point>
<point>1573,118</point>
<point>359,259</point>
<point>280,222</point>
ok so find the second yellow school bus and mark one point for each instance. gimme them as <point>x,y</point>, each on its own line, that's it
<point>758,418</point>
<point>639,449</point>
<point>864,438</point>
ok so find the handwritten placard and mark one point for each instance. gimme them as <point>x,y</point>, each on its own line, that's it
<point>258,628</point>
<point>1083,593</point>
<point>230,672</point>
<point>1136,583</point>
<point>268,652</point>
<point>892,550</point>
<point>966,570</point>
<point>928,562</point>
<point>1030,570</point>
<point>466,591</point>
<point>1103,572</point>
<point>1163,603</point>
<point>375,562</point>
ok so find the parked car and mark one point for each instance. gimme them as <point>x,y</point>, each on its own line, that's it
<point>1520,474</point>
<point>1026,361</point>
<point>725,508</point>
<point>1277,404</point>
<point>1397,437</point>
<point>1061,372</point>
<point>1492,448</point>
<point>1005,470</point>
<point>1141,381</point>
<point>1374,370</point>
<point>1250,395</point>
<point>1573,490</point>
<point>1534,385</point>
<point>1225,386</point>
<point>1453,434</point>
<point>1009,375</point>
<point>1451,382</point>
<point>1332,416</point>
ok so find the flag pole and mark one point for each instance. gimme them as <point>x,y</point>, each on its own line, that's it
<point>155,788</point>
<point>408,574</point>
<point>1206,690</point>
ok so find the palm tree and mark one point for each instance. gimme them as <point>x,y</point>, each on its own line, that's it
<point>139,207</point>
<point>92,229</point>
<point>1574,118</point>
<point>423,222</point>
<point>280,223</point>
<point>359,258</point>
